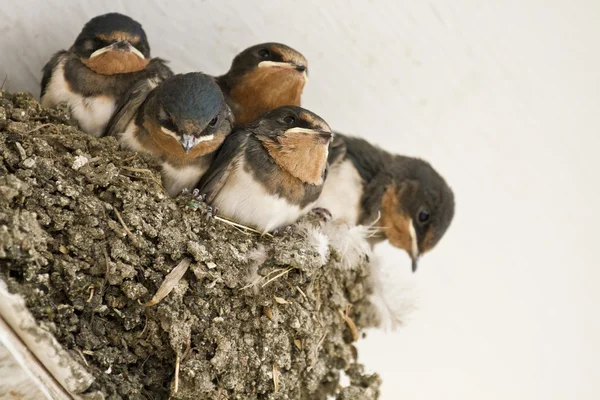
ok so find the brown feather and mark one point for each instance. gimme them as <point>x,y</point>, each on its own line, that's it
<point>264,89</point>
<point>116,62</point>
<point>428,240</point>
<point>167,148</point>
<point>304,156</point>
<point>394,224</point>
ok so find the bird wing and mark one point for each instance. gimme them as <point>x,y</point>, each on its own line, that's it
<point>129,105</point>
<point>49,69</point>
<point>225,160</point>
<point>159,67</point>
<point>337,149</point>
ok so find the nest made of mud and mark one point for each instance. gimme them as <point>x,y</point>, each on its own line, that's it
<point>88,235</point>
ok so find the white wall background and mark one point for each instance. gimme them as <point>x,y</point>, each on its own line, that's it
<point>503,99</point>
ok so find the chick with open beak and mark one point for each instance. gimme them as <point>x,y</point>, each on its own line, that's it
<point>182,122</point>
<point>262,78</point>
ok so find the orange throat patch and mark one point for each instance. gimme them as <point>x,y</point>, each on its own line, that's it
<point>169,149</point>
<point>116,62</point>
<point>301,155</point>
<point>395,225</point>
<point>264,89</point>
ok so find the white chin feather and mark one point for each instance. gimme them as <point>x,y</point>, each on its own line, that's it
<point>266,64</point>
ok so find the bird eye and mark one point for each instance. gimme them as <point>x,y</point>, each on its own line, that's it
<point>423,216</point>
<point>264,53</point>
<point>214,121</point>
<point>289,119</point>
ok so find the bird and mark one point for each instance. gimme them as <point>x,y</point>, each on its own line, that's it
<point>181,121</point>
<point>271,171</point>
<point>404,198</point>
<point>110,54</point>
<point>264,77</point>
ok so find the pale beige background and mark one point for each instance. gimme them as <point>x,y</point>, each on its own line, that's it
<point>503,99</point>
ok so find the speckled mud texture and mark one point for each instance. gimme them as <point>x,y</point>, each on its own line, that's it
<point>88,235</point>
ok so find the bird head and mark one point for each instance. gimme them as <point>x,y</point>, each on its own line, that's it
<point>113,44</point>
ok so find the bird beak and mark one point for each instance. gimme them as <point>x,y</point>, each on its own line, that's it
<point>276,64</point>
<point>122,45</point>
<point>285,65</point>
<point>324,135</point>
<point>189,141</point>
<point>414,251</point>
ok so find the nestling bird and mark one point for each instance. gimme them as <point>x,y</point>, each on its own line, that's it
<point>262,78</point>
<point>110,55</point>
<point>181,122</point>
<point>271,171</point>
<point>410,203</point>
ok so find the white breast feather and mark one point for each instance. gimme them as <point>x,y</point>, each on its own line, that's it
<point>342,192</point>
<point>176,179</point>
<point>92,113</point>
<point>246,201</point>
<point>127,139</point>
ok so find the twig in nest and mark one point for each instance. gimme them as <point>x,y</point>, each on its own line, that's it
<point>276,377</point>
<point>4,81</point>
<point>277,276</point>
<point>262,278</point>
<point>129,233</point>
<point>82,357</point>
<point>171,280</point>
<point>107,270</point>
<point>133,157</point>
<point>232,223</point>
<point>345,315</point>
<point>176,388</point>
<point>316,351</point>
<point>145,171</point>
<point>301,292</point>
<point>145,327</point>
<point>188,348</point>
<point>38,128</point>
<point>91,293</point>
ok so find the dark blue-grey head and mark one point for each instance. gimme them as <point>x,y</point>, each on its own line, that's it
<point>192,108</point>
<point>113,43</point>
<point>417,208</point>
<point>287,119</point>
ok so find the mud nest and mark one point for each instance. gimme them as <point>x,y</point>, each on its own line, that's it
<point>88,236</point>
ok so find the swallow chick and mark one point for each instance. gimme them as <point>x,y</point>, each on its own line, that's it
<point>181,122</point>
<point>271,171</point>
<point>403,198</point>
<point>110,55</point>
<point>262,78</point>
